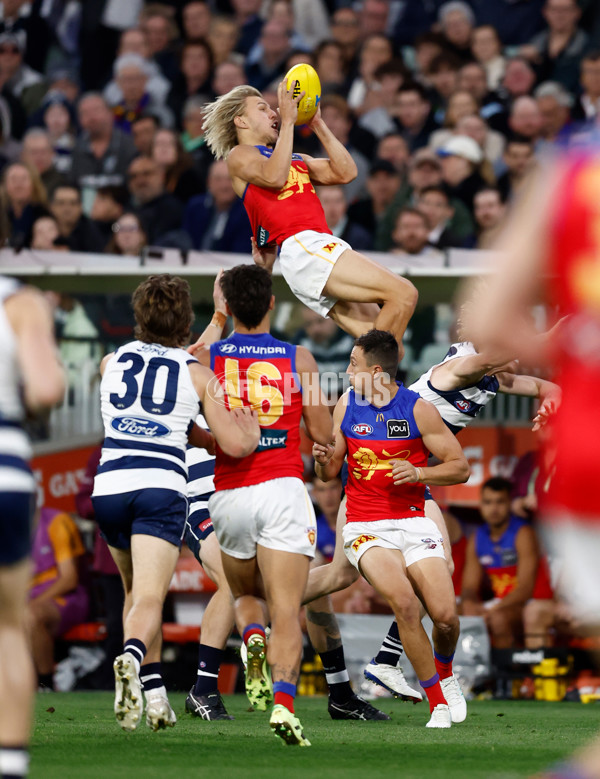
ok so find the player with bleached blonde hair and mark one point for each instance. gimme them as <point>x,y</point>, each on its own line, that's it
<point>278,190</point>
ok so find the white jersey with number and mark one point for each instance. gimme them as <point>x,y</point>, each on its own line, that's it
<point>15,449</point>
<point>149,404</point>
<point>457,407</point>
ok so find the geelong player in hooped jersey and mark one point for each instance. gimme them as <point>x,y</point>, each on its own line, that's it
<point>31,379</point>
<point>387,433</point>
<point>277,187</point>
<point>151,392</point>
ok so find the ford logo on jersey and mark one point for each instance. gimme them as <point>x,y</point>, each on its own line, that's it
<point>362,428</point>
<point>139,427</point>
<point>228,348</point>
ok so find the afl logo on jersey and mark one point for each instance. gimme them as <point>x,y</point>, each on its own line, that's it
<point>362,428</point>
<point>228,348</point>
<point>139,427</point>
<point>463,405</point>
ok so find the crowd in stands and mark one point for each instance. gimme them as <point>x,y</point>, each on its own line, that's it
<point>446,108</point>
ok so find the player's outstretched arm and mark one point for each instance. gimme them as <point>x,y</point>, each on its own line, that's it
<point>548,393</point>
<point>453,467</point>
<point>43,375</point>
<point>315,411</point>
<point>469,369</point>
<point>340,168</point>
<point>237,431</point>
<point>329,458</point>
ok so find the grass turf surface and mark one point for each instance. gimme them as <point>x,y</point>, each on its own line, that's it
<point>76,735</point>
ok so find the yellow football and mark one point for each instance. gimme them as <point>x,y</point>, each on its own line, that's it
<point>306,80</point>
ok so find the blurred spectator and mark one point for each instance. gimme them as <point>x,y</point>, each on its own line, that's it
<point>382,185</point>
<point>65,81</point>
<point>516,24</point>
<point>489,141</point>
<point>160,212</point>
<point>486,47</point>
<point>128,236</point>
<point>158,23</point>
<point>102,22</point>
<point>193,134</point>
<point>45,233</point>
<point>132,74</point>
<point>24,199</point>
<point>194,78</point>
<point>223,37</point>
<point>411,235</point>
<point>249,23</point>
<point>525,118</point>
<point>143,129</point>
<point>554,103</point>
<point>18,78</point>
<point>457,21</point>
<point>442,79</point>
<point>335,206</point>
<point>312,20</point>
<point>338,117</point>
<point>557,51</point>
<point>330,347</point>
<point>106,574</point>
<point>217,221</point>
<point>461,161</point>
<point>519,160</point>
<point>109,205</point>
<point>330,64</point>
<point>460,104</point>
<point>58,118</point>
<point>587,103</point>
<point>345,30</point>
<point>134,41</point>
<point>519,79</point>
<point>227,75</point>
<point>276,46</point>
<point>327,496</point>
<point>181,178</point>
<point>37,152</point>
<point>393,148</point>
<point>58,600</point>
<point>103,152</point>
<point>375,50</point>
<point>381,97</point>
<point>472,79</point>
<point>434,203</point>
<point>77,336</point>
<point>490,212</point>
<point>505,549</point>
<point>76,229</point>
<point>376,17</point>
<point>25,22</point>
<point>412,112</point>
<point>281,11</point>
<point>426,47</point>
<point>196,17</point>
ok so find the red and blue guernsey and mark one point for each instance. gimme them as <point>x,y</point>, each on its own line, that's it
<point>260,371</point>
<point>375,436</point>
<point>499,560</point>
<point>277,214</point>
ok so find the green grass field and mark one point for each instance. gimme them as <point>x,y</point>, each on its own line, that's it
<point>76,735</point>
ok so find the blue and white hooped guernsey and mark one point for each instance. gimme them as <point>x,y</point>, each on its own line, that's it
<point>201,474</point>
<point>457,407</point>
<point>15,449</point>
<point>148,404</point>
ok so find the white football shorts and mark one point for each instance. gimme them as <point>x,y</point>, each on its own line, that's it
<point>416,537</point>
<point>306,260</point>
<point>276,514</point>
